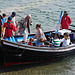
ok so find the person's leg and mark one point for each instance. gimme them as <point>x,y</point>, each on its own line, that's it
<point>25,35</point>
<point>38,43</point>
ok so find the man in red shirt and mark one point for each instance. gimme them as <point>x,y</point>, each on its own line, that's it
<point>66,21</point>
<point>9,28</point>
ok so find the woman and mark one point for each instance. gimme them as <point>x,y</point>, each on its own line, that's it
<point>66,40</point>
<point>40,36</point>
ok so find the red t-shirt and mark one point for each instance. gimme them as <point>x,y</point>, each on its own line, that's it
<point>27,23</point>
<point>65,22</point>
<point>30,43</point>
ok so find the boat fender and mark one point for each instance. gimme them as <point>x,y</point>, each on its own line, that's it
<point>13,39</point>
<point>9,39</point>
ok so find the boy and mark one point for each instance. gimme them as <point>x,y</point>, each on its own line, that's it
<point>30,41</point>
<point>56,42</point>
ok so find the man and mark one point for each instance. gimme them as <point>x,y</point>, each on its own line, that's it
<point>66,21</point>
<point>24,28</point>
<point>13,17</point>
<point>9,28</point>
<point>14,21</point>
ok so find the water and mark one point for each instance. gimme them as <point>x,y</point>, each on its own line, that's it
<point>46,12</point>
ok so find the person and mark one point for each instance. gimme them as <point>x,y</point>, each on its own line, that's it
<point>0,24</point>
<point>40,36</point>
<point>66,21</point>
<point>24,27</point>
<point>56,42</point>
<point>4,18</point>
<point>13,18</point>
<point>14,21</point>
<point>3,21</point>
<point>66,40</point>
<point>30,41</point>
<point>9,27</point>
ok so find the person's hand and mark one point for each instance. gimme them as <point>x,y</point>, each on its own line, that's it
<point>16,24</point>
<point>31,24</point>
<point>37,38</point>
<point>17,27</point>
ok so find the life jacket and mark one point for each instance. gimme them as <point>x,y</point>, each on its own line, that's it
<point>8,27</point>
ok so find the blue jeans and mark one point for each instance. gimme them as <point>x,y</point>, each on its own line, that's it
<point>38,43</point>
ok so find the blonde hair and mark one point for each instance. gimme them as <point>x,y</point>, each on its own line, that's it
<point>67,35</point>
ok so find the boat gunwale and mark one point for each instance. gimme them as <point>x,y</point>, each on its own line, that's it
<point>45,49</point>
<point>28,47</point>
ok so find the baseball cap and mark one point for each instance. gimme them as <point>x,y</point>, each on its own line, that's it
<point>9,18</point>
<point>14,13</point>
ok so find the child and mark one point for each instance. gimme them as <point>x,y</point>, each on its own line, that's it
<point>4,18</point>
<point>3,21</point>
<point>66,40</point>
<point>30,41</point>
<point>56,41</point>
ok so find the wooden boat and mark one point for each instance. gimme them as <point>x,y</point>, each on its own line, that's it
<point>13,53</point>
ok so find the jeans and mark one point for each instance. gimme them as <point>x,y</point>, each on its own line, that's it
<point>38,43</point>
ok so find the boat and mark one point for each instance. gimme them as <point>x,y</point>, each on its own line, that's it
<point>15,53</point>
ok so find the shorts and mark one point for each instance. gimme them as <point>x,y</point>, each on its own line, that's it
<point>38,43</point>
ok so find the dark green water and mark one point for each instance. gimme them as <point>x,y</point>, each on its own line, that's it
<point>62,67</point>
<point>47,13</point>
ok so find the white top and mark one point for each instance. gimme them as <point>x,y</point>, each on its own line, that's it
<point>42,34</point>
<point>65,42</point>
<point>13,19</point>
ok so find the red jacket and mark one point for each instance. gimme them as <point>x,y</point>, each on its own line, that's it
<point>65,22</point>
<point>8,31</point>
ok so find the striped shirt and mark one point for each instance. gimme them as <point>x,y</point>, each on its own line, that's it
<point>56,43</point>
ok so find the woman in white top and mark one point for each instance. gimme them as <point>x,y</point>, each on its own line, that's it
<point>40,35</point>
<point>66,40</point>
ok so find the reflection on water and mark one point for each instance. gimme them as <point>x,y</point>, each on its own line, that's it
<point>62,67</point>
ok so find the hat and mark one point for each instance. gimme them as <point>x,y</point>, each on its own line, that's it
<point>9,18</point>
<point>14,13</point>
